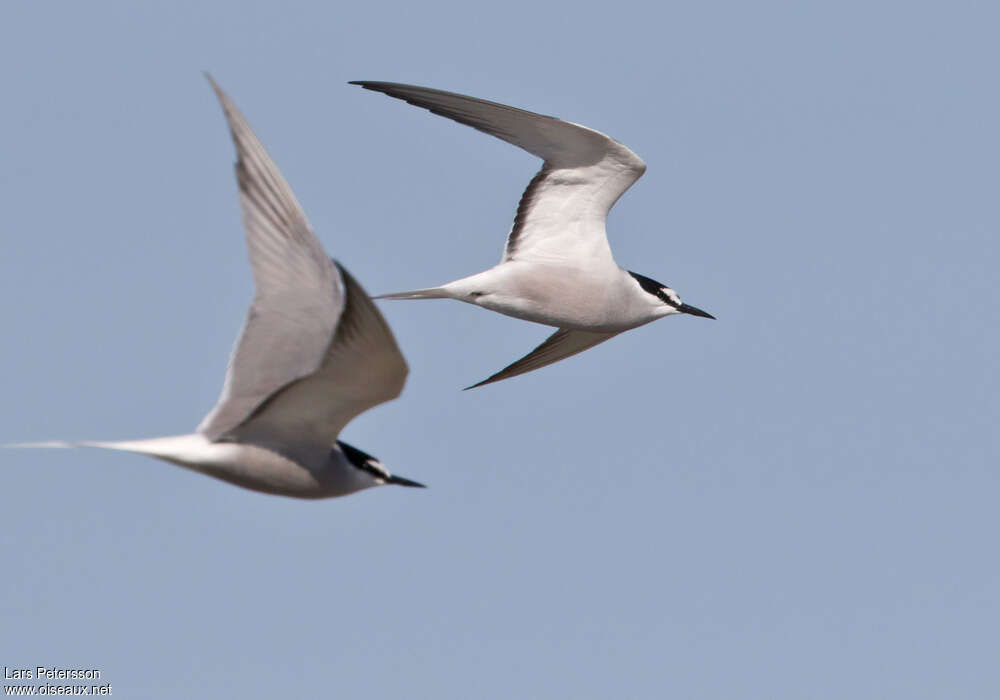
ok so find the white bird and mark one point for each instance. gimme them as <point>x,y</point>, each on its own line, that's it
<point>313,354</point>
<point>557,268</point>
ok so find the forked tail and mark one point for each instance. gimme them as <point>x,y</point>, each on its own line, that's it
<point>125,446</point>
<point>429,293</point>
<point>178,446</point>
<point>51,443</point>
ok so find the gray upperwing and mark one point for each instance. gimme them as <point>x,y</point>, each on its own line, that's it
<point>299,294</point>
<point>562,212</point>
<point>559,143</point>
<point>362,368</point>
<point>560,345</point>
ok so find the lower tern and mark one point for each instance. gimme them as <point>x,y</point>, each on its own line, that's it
<point>313,354</point>
<point>557,268</point>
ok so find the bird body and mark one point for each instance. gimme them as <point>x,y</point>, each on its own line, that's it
<point>314,353</point>
<point>605,298</point>
<point>557,268</point>
<point>337,472</point>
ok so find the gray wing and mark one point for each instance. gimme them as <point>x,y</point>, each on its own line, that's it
<point>562,213</point>
<point>560,345</point>
<point>292,326</point>
<point>361,368</point>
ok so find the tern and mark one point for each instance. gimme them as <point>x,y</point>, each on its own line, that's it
<point>557,268</point>
<point>313,354</point>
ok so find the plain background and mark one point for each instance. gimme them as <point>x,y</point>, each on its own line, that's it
<point>798,500</point>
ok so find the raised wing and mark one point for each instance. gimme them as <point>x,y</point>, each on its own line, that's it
<point>558,346</point>
<point>292,332</point>
<point>362,367</point>
<point>562,213</point>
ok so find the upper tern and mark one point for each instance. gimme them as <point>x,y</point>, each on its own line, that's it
<point>557,268</point>
<point>313,354</point>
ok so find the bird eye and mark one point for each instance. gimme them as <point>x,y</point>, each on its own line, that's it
<point>669,296</point>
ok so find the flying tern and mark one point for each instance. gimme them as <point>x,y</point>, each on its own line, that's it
<point>557,268</point>
<point>313,354</point>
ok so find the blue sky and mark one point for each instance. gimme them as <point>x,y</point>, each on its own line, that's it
<point>795,501</point>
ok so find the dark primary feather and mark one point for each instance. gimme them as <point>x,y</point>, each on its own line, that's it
<point>531,193</point>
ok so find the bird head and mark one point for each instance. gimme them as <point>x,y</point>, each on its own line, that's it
<point>373,469</point>
<point>665,300</point>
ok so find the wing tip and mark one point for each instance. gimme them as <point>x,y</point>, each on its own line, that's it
<point>214,85</point>
<point>229,109</point>
<point>489,380</point>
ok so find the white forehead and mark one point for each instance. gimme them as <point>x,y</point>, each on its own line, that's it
<point>672,296</point>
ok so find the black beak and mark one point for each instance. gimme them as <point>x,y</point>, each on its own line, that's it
<point>400,481</point>
<point>694,311</point>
